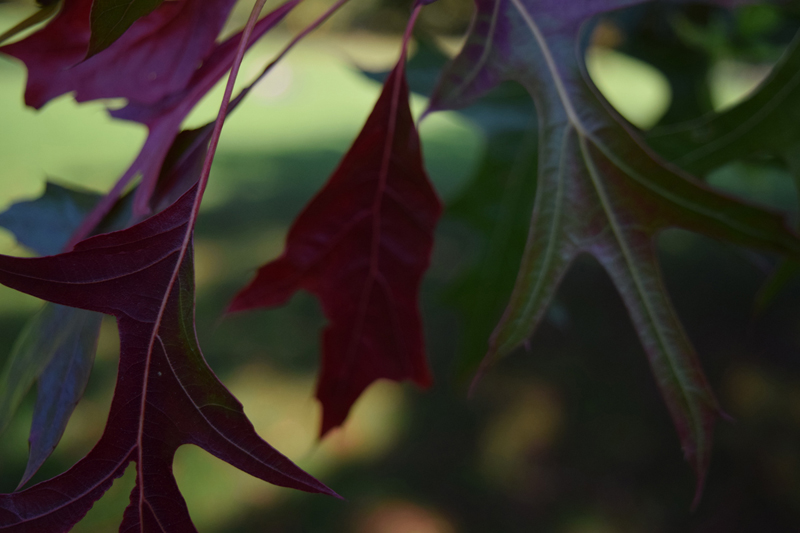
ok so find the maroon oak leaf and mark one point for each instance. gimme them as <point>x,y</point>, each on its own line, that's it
<point>166,395</point>
<point>361,246</point>
<point>164,118</point>
<point>157,56</point>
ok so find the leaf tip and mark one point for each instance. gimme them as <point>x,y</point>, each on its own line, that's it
<point>30,470</point>
<point>698,494</point>
<point>321,488</point>
<point>494,353</point>
<point>473,386</point>
<point>699,455</point>
<point>700,467</point>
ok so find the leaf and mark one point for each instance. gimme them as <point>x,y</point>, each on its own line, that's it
<point>156,57</point>
<point>164,118</point>
<point>600,191</point>
<point>182,165</point>
<point>497,206</point>
<point>111,18</point>
<point>361,246</point>
<point>45,224</point>
<point>768,121</point>
<point>61,383</point>
<point>165,396</point>
<point>40,15</point>
<point>33,351</point>
<point>57,346</point>
<point>765,123</point>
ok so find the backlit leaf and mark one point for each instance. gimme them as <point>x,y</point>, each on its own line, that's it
<point>600,191</point>
<point>361,246</point>
<point>165,397</point>
<point>766,122</point>
<point>156,57</point>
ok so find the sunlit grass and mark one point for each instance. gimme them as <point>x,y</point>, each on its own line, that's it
<point>733,81</point>
<point>637,90</point>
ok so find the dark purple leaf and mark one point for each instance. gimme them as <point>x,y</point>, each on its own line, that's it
<point>164,118</point>
<point>361,246</point>
<point>166,395</point>
<point>156,57</point>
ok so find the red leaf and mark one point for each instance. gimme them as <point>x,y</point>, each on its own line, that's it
<point>166,395</point>
<point>361,246</point>
<point>164,118</point>
<point>157,56</point>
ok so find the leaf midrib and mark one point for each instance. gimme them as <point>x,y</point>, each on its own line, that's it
<point>583,135</point>
<point>375,246</point>
<point>635,275</point>
<point>583,131</point>
<point>552,241</point>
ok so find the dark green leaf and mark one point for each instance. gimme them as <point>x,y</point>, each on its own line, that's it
<point>111,18</point>
<point>497,205</point>
<point>767,122</point>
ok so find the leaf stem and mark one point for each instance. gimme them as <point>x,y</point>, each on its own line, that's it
<point>102,208</point>
<point>297,38</point>
<point>223,109</point>
<point>106,203</point>
<point>202,182</point>
<point>412,21</point>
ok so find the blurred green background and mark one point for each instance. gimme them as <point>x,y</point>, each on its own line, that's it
<point>568,436</point>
